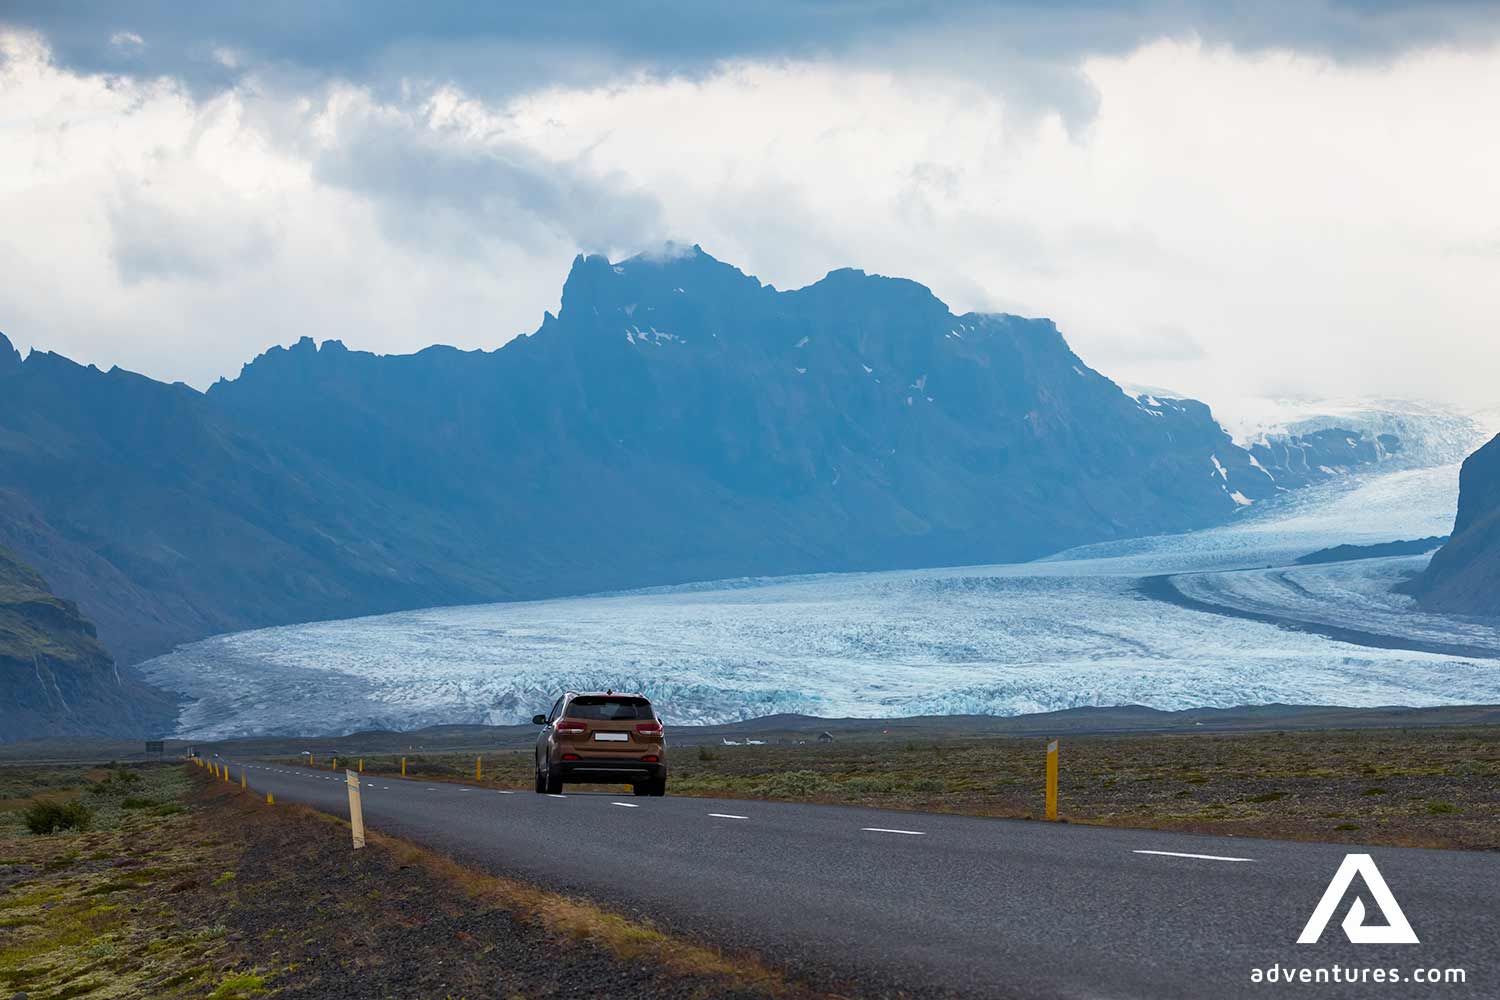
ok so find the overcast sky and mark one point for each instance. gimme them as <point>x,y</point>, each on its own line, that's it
<point>1227,200</point>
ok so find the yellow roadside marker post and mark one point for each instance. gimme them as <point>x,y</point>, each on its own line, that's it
<point>335,764</point>
<point>356,810</point>
<point>242,778</point>
<point>225,769</point>
<point>270,799</point>
<point>311,761</point>
<point>1052,780</point>
<point>361,765</point>
<point>403,767</point>
<point>477,771</point>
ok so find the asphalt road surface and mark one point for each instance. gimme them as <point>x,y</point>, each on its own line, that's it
<point>876,902</point>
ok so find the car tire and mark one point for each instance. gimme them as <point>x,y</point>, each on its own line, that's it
<point>639,788</point>
<point>657,786</point>
<point>541,783</point>
<point>553,784</point>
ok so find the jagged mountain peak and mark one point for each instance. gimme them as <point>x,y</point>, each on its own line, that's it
<point>595,285</point>
<point>305,357</point>
<point>10,358</point>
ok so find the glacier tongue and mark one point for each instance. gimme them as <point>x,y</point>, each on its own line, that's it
<point>1069,631</point>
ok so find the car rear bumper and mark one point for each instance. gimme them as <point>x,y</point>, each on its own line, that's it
<point>606,769</point>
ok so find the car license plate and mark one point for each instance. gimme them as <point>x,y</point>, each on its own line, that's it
<point>612,737</point>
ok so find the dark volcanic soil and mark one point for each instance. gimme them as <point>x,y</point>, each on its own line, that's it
<point>373,924</point>
<point>212,893</point>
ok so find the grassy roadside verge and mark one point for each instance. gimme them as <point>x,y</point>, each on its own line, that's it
<point>109,911</point>
<point>1418,787</point>
<point>210,893</point>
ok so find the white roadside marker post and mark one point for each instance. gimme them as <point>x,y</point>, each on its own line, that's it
<point>1052,780</point>
<point>356,810</point>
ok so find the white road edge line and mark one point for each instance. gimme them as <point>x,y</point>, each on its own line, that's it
<point>881,829</point>
<point>1199,857</point>
<point>626,805</point>
<point>727,816</point>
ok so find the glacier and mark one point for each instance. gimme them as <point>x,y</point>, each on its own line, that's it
<point>1075,629</point>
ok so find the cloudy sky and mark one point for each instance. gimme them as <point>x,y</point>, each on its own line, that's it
<point>1232,200</point>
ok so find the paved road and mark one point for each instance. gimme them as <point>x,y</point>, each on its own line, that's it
<point>936,905</point>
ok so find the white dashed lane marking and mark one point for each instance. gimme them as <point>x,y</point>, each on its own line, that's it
<point>1198,857</point>
<point>727,816</point>
<point>881,829</point>
<point>625,805</point>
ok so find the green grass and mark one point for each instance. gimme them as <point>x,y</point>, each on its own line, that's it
<point>76,923</point>
<point>237,987</point>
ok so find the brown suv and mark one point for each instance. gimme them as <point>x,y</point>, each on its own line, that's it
<point>604,737</point>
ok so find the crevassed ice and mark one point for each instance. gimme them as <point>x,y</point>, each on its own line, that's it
<point>1069,631</point>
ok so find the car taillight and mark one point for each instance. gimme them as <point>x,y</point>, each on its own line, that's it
<point>570,756</point>
<point>650,758</point>
<point>567,726</point>
<point>648,728</point>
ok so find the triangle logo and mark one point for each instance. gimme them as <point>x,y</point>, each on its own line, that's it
<point>1397,929</point>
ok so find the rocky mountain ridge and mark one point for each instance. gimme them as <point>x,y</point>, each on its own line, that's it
<point>56,679</point>
<point>1464,575</point>
<point>677,420</point>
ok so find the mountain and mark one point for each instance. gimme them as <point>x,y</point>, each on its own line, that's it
<point>55,677</point>
<point>1301,458</point>
<point>677,420</point>
<point>1378,550</point>
<point>1464,575</point>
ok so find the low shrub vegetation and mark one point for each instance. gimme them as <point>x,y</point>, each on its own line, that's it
<point>46,816</point>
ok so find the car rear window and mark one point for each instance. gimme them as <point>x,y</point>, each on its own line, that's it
<point>609,709</point>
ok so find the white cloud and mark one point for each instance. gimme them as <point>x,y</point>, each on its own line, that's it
<point>1225,223</point>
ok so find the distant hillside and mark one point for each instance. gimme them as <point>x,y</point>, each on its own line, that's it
<point>55,677</point>
<point>676,421</point>
<point>1464,575</point>
<point>1302,458</point>
<point>1379,550</point>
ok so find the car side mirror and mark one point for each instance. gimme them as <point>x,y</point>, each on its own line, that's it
<point>538,720</point>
